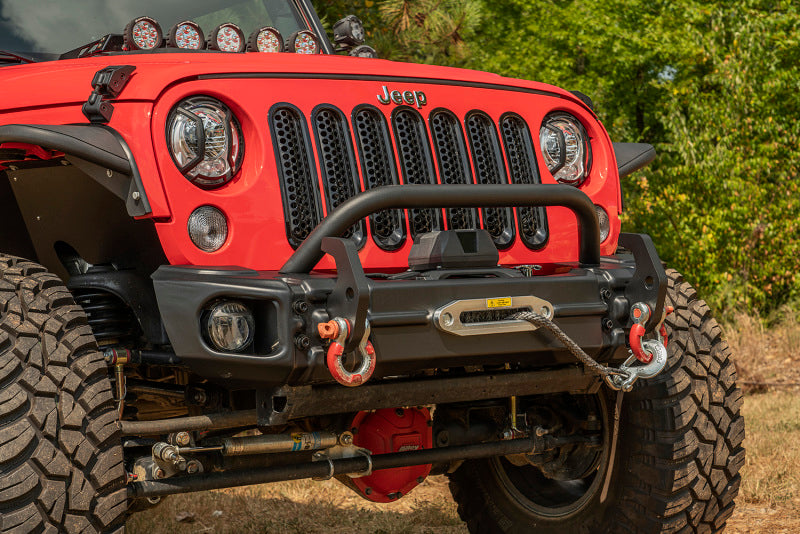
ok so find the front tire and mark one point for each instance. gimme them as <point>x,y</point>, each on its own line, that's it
<point>678,455</point>
<point>61,457</point>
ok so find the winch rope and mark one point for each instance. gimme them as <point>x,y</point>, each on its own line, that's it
<point>543,322</point>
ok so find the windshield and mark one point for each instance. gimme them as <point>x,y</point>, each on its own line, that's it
<point>44,29</point>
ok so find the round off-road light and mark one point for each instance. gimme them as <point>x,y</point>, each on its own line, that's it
<point>265,39</point>
<point>229,326</point>
<point>349,32</point>
<point>186,35</point>
<point>142,33</point>
<point>226,37</point>
<point>364,51</point>
<point>208,228</point>
<point>303,42</point>
<point>605,222</point>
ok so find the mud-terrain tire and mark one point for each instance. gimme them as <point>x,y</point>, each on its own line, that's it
<point>678,456</point>
<point>60,451</point>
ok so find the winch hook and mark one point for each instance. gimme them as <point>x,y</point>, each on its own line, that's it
<point>652,353</point>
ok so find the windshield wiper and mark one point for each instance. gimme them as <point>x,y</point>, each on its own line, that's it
<point>11,57</point>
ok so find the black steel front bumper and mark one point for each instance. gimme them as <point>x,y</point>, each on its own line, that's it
<point>590,302</point>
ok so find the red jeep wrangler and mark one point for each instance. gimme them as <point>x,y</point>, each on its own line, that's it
<point>250,259</point>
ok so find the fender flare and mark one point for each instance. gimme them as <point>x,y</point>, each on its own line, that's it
<point>98,150</point>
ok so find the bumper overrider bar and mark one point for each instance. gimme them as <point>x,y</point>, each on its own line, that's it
<point>590,303</point>
<point>382,198</point>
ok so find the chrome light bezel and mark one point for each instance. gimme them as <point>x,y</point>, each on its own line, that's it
<point>584,147</point>
<point>233,138</point>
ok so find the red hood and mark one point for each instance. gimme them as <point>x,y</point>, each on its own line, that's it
<point>69,81</point>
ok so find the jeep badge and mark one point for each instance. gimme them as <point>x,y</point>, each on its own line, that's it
<point>412,98</point>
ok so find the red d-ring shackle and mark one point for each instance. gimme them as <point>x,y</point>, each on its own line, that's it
<point>338,329</point>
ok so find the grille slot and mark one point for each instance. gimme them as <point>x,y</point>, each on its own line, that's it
<point>379,167</point>
<point>337,162</point>
<point>524,170</point>
<point>416,163</point>
<point>296,171</point>
<point>487,160</point>
<point>451,154</point>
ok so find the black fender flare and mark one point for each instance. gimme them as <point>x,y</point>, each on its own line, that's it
<point>98,150</point>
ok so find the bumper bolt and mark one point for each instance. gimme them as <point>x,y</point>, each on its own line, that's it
<point>300,307</point>
<point>608,324</point>
<point>302,342</point>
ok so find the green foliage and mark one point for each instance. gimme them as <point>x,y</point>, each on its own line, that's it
<point>419,31</point>
<point>714,85</point>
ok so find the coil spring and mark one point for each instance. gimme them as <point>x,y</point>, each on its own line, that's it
<point>111,320</point>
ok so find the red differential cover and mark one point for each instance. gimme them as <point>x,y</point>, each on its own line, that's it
<point>392,430</point>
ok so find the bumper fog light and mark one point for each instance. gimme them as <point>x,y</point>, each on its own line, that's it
<point>605,222</point>
<point>230,326</point>
<point>208,228</point>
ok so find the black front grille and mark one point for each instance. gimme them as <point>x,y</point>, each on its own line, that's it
<point>487,159</point>
<point>524,170</point>
<point>451,152</point>
<point>379,168</point>
<point>416,163</point>
<point>405,146</point>
<point>296,169</point>
<point>337,162</point>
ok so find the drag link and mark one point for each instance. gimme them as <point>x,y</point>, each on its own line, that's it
<point>344,466</point>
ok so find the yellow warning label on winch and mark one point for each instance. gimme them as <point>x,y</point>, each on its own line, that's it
<point>502,302</point>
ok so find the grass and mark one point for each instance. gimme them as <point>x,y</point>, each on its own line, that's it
<point>772,469</point>
<point>769,500</point>
<point>304,507</point>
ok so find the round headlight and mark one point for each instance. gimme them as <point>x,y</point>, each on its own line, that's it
<point>208,228</point>
<point>565,148</point>
<point>230,326</point>
<point>142,33</point>
<point>604,221</point>
<point>265,39</point>
<point>226,37</point>
<point>205,141</point>
<point>186,35</point>
<point>303,42</point>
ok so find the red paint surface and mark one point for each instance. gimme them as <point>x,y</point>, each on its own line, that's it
<point>52,93</point>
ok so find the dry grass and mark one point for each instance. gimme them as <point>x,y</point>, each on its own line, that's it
<point>769,501</point>
<point>766,357</point>
<point>304,507</point>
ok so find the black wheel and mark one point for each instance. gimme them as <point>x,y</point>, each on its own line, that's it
<point>60,452</point>
<point>677,460</point>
